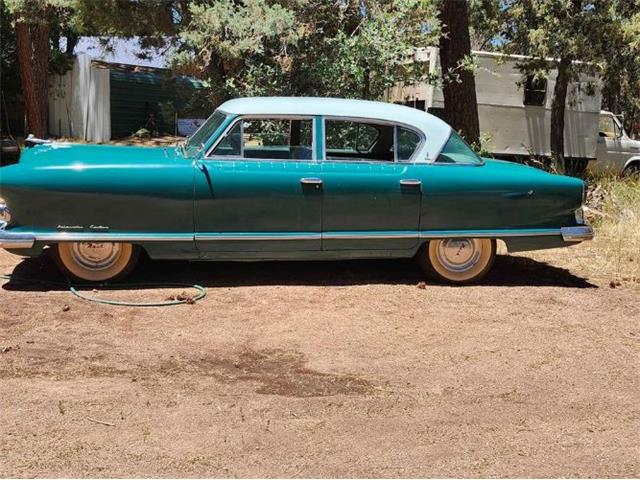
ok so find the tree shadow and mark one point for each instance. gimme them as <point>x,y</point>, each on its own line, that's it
<point>40,274</point>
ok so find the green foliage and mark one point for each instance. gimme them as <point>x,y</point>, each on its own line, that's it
<point>621,70</point>
<point>62,19</point>
<point>485,24</point>
<point>553,30</point>
<point>9,77</point>
<point>303,47</point>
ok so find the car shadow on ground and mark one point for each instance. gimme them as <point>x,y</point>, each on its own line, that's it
<point>40,274</point>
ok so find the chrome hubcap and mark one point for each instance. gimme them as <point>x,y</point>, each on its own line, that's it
<point>459,254</point>
<point>96,256</point>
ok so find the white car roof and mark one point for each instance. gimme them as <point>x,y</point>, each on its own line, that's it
<point>436,131</point>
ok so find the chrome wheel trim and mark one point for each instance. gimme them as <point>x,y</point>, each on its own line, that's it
<point>96,256</point>
<point>459,254</point>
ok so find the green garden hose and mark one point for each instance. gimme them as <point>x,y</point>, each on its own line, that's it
<point>202,292</point>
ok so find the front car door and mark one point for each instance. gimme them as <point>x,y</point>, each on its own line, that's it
<point>371,187</point>
<point>257,190</point>
<point>610,153</point>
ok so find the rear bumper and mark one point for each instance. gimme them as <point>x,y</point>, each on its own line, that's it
<point>577,234</point>
<point>10,239</point>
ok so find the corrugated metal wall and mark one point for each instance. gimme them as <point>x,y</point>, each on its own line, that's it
<point>97,101</point>
<point>146,100</point>
<point>79,102</point>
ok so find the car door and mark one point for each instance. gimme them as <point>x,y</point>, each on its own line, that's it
<point>371,189</point>
<point>257,190</point>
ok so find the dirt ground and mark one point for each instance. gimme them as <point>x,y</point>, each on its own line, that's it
<point>320,370</point>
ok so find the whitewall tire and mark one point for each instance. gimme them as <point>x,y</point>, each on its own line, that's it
<point>95,261</point>
<point>458,260</point>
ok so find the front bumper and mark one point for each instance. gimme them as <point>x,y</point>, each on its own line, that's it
<point>10,239</point>
<point>577,234</point>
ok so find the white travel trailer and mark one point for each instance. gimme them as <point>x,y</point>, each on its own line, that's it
<point>515,110</point>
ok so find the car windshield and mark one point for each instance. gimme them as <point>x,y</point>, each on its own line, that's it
<point>196,142</point>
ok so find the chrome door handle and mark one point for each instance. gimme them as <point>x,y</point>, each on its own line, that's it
<point>410,182</point>
<point>311,181</point>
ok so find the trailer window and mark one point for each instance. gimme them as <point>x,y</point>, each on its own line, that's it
<point>535,91</point>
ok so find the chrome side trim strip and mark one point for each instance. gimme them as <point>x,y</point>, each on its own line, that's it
<point>577,234</point>
<point>368,235</point>
<point>10,239</point>
<point>490,234</point>
<point>206,237</point>
<point>111,237</point>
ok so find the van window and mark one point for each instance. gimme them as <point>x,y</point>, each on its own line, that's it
<point>608,127</point>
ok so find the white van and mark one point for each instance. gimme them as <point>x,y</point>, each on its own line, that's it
<point>616,152</point>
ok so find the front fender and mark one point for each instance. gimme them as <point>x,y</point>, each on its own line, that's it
<point>634,159</point>
<point>143,197</point>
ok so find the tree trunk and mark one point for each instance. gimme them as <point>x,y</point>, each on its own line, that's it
<point>33,58</point>
<point>366,84</point>
<point>460,102</point>
<point>557,115</point>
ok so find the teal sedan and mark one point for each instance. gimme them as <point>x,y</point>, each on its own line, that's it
<point>287,179</point>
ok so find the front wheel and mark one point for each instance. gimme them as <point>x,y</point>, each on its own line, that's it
<point>95,261</point>
<point>458,260</point>
<point>632,171</point>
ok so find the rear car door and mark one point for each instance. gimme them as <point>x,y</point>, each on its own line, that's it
<point>371,187</point>
<point>258,191</point>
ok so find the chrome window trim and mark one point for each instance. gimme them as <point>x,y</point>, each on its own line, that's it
<point>372,121</point>
<point>241,118</point>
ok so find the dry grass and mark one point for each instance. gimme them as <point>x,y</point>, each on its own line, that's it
<point>613,208</point>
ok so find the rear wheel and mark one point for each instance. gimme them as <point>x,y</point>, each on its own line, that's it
<point>96,261</point>
<point>458,260</point>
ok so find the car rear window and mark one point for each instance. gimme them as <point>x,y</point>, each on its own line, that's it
<point>347,140</point>
<point>457,151</point>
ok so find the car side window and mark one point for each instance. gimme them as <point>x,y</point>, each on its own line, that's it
<point>269,139</point>
<point>456,151</point>
<point>347,140</point>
